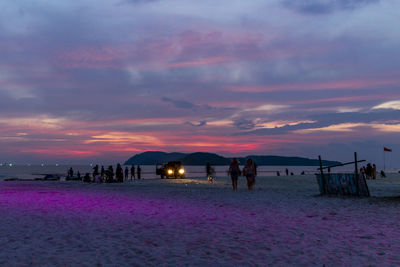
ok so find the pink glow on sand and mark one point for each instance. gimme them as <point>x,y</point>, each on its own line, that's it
<point>193,222</point>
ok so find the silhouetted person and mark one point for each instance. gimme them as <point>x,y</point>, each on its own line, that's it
<point>234,171</point>
<point>208,169</point>
<point>86,178</point>
<point>119,173</point>
<point>126,173</point>
<point>250,173</point>
<point>209,172</point>
<point>95,170</point>
<point>374,171</point>
<point>383,175</point>
<point>278,173</point>
<point>302,173</point>
<point>110,174</point>
<point>368,171</point>
<point>79,176</point>
<point>102,171</point>
<point>291,173</point>
<point>71,172</point>
<point>139,172</point>
<point>287,171</point>
<point>132,172</point>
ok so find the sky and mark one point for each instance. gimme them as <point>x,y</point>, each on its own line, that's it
<point>99,81</point>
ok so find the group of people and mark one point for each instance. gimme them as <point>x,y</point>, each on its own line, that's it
<point>107,175</point>
<point>369,171</point>
<point>249,171</point>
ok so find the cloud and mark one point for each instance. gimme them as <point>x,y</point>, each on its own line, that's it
<point>135,2</point>
<point>244,124</point>
<point>321,7</point>
<point>389,105</point>
<point>179,103</point>
<point>334,121</point>
<point>199,124</point>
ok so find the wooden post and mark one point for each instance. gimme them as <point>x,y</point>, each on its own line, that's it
<point>322,176</point>
<point>356,174</point>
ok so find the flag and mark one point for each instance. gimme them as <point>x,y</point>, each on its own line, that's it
<point>387,149</point>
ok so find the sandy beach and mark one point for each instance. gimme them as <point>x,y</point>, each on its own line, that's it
<point>192,222</point>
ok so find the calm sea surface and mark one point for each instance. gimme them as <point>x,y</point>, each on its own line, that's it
<point>148,171</point>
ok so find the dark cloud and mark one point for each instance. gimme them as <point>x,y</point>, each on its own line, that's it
<point>199,124</point>
<point>325,120</point>
<point>320,7</point>
<point>179,103</point>
<point>244,124</point>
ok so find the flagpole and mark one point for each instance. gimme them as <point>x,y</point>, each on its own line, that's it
<point>384,161</point>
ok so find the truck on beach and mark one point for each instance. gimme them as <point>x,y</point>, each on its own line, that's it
<point>172,169</point>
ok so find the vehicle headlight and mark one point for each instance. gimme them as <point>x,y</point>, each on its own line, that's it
<point>170,171</point>
<point>181,171</point>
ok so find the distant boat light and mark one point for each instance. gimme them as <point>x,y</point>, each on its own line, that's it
<point>10,164</point>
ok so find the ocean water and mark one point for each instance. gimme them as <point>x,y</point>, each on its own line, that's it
<point>148,171</point>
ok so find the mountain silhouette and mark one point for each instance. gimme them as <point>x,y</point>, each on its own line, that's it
<point>202,158</point>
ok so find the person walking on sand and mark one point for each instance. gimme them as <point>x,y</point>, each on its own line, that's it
<point>234,171</point>
<point>133,172</point>
<point>250,172</point>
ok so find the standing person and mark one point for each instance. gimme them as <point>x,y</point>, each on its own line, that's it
<point>209,172</point>
<point>126,173</point>
<point>95,170</point>
<point>110,174</point>
<point>102,171</point>
<point>119,173</point>
<point>208,169</point>
<point>374,171</point>
<point>287,172</point>
<point>70,172</point>
<point>234,171</point>
<point>250,172</point>
<point>133,172</point>
<point>139,172</point>
<point>368,171</point>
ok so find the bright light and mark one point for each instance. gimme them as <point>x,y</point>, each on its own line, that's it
<point>10,165</point>
<point>181,171</point>
<point>170,171</point>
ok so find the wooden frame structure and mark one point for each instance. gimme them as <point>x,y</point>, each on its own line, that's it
<point>357,179</point>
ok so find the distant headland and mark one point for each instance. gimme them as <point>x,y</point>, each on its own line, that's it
<point>202,158</point>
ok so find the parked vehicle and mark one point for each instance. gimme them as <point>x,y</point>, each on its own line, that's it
<point>172,169</point>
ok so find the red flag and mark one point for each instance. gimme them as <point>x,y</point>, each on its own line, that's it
<point>387,149</point>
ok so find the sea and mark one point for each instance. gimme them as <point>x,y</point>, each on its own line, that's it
<point>148,171</point>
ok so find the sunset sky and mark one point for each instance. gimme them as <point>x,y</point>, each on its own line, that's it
<point>99,81</point>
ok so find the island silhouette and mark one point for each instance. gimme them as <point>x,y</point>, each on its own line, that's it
<point>202,158</point>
